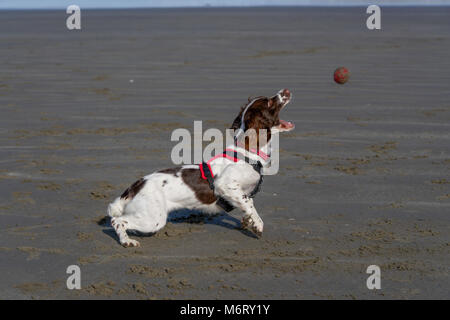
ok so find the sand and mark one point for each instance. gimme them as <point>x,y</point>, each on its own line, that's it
<point>364,178</point>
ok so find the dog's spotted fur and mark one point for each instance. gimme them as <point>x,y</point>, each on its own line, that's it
<point>193,179</point>
<point>145,205</point>
<point>133,190</point>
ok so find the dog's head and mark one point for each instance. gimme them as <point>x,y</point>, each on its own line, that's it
<point>263,113</point>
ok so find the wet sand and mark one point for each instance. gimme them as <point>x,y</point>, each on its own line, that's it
<point>364,178</point>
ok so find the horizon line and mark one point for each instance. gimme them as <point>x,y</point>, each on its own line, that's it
<point>226,6</point>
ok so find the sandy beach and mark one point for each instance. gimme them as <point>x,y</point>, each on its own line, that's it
<point>364,178</point>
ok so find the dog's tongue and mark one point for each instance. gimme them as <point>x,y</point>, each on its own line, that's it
<point>286,124</point>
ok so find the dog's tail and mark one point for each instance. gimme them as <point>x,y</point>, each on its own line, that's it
<point>115,208</point>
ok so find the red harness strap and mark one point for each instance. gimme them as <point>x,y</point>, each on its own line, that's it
<point>203,172</point>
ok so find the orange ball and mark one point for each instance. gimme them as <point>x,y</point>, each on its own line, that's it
<point>341,75</point>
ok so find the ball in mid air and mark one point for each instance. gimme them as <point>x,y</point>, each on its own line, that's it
<point>341,75</point>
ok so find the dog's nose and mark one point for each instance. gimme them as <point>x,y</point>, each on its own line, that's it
<point>286,93</point>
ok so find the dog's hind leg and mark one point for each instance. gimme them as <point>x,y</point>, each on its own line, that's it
<point>120,225</point>
<point>145,214</point>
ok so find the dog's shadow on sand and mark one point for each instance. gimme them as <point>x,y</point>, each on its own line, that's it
<point>220,219</point>
<point>186,216</point>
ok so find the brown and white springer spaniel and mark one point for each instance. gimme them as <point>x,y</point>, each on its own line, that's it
<point>225,181</point>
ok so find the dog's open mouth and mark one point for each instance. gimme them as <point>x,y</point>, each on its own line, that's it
<point>286,125</point>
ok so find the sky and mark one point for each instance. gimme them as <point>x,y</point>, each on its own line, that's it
<point>58,4</point>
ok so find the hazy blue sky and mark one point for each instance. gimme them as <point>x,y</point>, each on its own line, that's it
<point>22,4</point>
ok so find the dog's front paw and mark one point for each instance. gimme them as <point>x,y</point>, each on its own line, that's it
<point>256,225</point>
<point>246,222</point>
<point>257,231</point>
<point>130,243</point>
<point>257,228</point>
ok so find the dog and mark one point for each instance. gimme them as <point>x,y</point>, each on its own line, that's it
<point>225,182</point>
